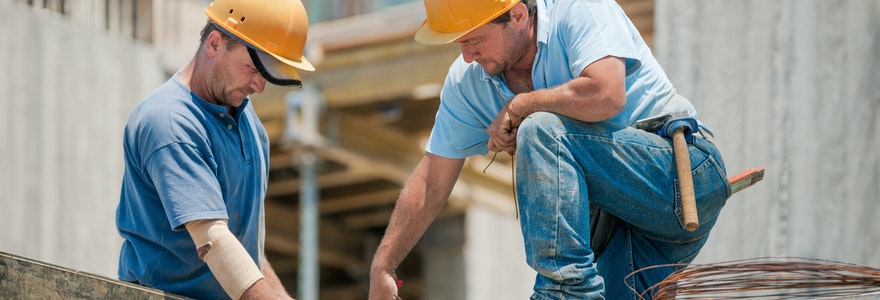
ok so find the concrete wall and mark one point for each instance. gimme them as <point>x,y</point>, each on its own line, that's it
<point>794,86</point>
<point>67,92</point>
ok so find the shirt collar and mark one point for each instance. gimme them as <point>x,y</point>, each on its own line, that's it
<point>542,35</point>
<point>543,32</point>
<point>217,110</point>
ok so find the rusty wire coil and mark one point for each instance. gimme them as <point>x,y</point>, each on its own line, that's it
<point>764,278</point>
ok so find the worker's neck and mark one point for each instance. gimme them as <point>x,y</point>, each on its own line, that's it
<point>195,79</point>
<point>525,62</point>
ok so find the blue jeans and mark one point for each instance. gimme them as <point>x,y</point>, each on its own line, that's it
<point>563,165</point>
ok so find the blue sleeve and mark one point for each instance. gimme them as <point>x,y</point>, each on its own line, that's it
<point>455,135</point>
<point>592,30</point>
<point>186,184</point>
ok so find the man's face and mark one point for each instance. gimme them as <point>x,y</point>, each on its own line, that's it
<point>496,47</point>
<point>234,76</point>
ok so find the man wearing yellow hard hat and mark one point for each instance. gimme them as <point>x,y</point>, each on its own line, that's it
<point>196,159</point>
<point>560,85</point>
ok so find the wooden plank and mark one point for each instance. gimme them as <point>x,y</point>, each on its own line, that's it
<point>359,201</point>
<point>23,278</point>
<point>745,179</point>
<point>390,23</point>
<point>338,248</point>
<point>326,257</point>
<point>325,181</point>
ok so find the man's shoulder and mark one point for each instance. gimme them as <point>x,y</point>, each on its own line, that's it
<point>165,115</point>
<point>171,103</point>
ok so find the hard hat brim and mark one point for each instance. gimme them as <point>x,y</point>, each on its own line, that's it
<point>274,70</point>
<point>426,35</point>
<point>302,64</point>
<point>429,37</point>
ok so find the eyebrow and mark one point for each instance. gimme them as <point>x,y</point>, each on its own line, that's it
<point>472,39</point>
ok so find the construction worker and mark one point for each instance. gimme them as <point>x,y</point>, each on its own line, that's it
<point>196,159</point>
<point>559,84</point>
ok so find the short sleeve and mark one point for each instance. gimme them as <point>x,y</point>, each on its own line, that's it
<point>591,30</point>
<point>186,184</point>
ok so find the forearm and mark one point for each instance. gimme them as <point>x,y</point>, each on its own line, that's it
<point>420,201</point>
<point>226,257</point>
<point>273,280</point>
<point>410,219</point>
<point>597,95</point>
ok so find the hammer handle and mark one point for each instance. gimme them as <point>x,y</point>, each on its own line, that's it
<point>685,180</point>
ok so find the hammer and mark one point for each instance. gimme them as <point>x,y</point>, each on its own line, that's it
<point>679,126</point>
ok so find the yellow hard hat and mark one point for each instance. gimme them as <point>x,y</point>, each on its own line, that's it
<point>448,20</point>
<point>276,28</point>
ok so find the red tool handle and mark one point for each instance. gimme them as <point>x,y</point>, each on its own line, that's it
<point>685,180</point>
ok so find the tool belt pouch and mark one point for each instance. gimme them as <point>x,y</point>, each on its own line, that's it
<point>601,229</point>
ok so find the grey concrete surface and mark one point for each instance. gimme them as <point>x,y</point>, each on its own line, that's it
<point>67,92</point>
<point>793,86</point>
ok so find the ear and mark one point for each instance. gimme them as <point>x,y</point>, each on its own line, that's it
<point>213,43</point>
<point>519,14</point>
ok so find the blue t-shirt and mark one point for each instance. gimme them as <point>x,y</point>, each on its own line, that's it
<point>571,35</point>
<point>186,160</point>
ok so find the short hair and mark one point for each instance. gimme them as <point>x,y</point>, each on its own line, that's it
<point>505,17</point>
<point>209,27</point>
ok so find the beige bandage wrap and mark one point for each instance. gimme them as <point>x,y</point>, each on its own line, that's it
<point>225,256</point>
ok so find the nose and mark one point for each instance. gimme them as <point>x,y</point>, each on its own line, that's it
<point>468,53</point>
<point>258,84</point>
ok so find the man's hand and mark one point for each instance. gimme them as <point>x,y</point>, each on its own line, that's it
<point>502,131</point>
<point>383,286</point>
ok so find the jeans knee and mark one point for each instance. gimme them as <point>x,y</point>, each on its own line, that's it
<point>539,124</point>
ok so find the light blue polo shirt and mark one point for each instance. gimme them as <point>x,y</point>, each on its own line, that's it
<point>571,35</point>
<point>186,160</point>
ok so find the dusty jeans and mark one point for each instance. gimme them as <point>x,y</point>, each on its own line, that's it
<point>562,165</point>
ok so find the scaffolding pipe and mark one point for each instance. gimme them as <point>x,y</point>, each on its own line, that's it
<point>303,111</point>
<point>308,204</point>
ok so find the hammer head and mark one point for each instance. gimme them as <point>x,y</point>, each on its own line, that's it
<point>665,124</point>
<point>653,124</point>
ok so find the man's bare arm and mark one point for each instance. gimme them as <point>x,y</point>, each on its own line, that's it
<point>424,194</point>
<point>274,281</point>
<point>597,95</point>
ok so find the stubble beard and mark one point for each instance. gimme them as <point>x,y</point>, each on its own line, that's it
<point>226,97</point>
<point>513,54</point>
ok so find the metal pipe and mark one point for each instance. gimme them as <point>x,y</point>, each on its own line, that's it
<point>308,204</point>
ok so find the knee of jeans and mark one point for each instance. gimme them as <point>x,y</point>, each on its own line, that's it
<point>539,123</point>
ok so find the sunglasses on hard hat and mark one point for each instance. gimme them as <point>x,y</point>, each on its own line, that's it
<point>273,70</point>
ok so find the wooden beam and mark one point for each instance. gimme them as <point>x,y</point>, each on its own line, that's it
<point>379,218</point>
<point>638,8</point>
<point>326,257</point>
<point>388,24</point>
<point>338,248</point>
<point>282,187</point>
<point>383,80</point>
<point>358,201</point>
<point>361,221</point>
<point>381,143</point>
<point>24,278</point>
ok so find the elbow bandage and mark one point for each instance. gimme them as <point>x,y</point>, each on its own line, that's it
<point>225,256</point>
